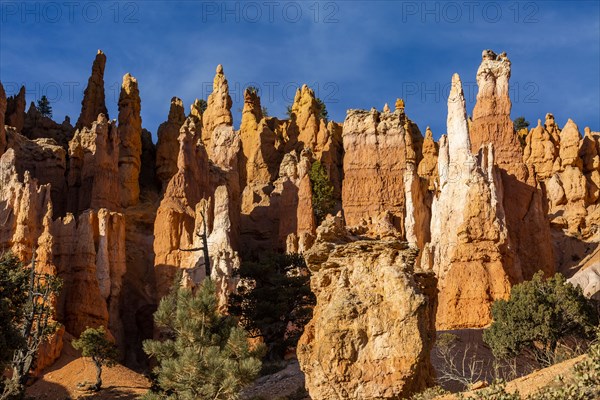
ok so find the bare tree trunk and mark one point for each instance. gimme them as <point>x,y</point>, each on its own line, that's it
<point>98,376</point>
<point>205,245</point>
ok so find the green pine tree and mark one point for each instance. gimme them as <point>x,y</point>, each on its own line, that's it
<point>322,191</point>
<point>276,303</point>
<point>289,113</point>
<point>323,114</point>
<point>44,107</point>
<point>95,344</point>
<point>29,306</point>
<point>538,314</point>
<point>14,280</point>
<point>204,354</point>
<point>520,123</point>
<point>202,105</point>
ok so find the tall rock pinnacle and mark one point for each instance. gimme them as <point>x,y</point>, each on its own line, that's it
<point>525,216</point>
<point>491,115</point>
<point>218,110</point>
<point>130,149</point>
<point>2,111</point>
<point>15,110</point>
<point>458,129</point>
<point>167,147</point>
<point>93,102</point>
<point>469,242</point>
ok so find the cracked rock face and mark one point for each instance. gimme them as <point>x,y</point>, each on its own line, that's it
<point>373,325</point>
<point>380,150</point>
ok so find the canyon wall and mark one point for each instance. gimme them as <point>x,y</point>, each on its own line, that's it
<point>118,218</point>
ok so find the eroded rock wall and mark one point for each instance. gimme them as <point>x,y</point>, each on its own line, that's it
<point>382,152</point>
<point>93,175</point>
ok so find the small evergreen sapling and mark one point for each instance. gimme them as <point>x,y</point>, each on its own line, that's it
<point>322,192</point>
<point>95,344</point>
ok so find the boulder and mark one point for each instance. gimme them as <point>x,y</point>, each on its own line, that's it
<point>373,325</point>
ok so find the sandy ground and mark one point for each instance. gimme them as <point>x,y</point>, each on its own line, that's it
<point>59,382</point>
<point>275,386</point>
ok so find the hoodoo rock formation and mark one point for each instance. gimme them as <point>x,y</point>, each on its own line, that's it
<point>261,147</point>
<point>15,110</point>
<point>296,218</point>
<point>526,219</point>
<point>218,109</point>
<point>130,149</point>
<point>118,218</point>
<point>174,229</point>
<point>379,150</point>
<point>199,195</point>
<point>2,112</point>
<point>373,326</point>
<point>89,254</point>
<point>93,102</point>
<point>276,159</point>
<point>93,175</point>
<point>428,166</point>
<point>568,167</point>
<point>167,146</point>
<point>491,115</point>
<point>469,241</point>
<point>260,159</point>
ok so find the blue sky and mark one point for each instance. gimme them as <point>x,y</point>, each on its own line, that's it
<point>355,54</point>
